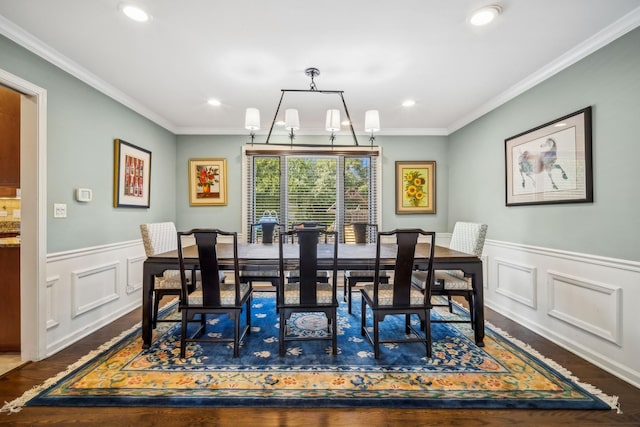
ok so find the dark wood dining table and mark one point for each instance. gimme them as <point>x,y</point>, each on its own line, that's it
<point>254,256</point>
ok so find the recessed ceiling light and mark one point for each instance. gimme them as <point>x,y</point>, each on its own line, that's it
<point>485,15</point>
<point>345,123</point>
<point>214,102</point>
<point>134,12</point>
<point>409,103</point>
<point>559,125</point>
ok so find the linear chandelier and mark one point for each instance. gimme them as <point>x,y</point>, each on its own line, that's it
<point>292,119</point>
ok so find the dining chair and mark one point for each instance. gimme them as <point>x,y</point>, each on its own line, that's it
<point>294,275</point>
<point>264,233</point>
<point>467,237</point>
<point>308,294</point>
<point>158,238</point>
<point>399,297</point>
<point>214,296</point>
<point>359,233</point>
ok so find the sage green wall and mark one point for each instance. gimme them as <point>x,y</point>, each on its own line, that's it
<point>230,147</point>
<point>609,81</point>
<point>82,124</point>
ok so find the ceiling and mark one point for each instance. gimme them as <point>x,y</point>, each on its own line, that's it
<point>243,52</point>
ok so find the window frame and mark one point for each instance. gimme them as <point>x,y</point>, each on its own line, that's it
<point>249,151</point>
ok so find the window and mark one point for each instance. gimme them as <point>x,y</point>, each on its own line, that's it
<point>311,186</point>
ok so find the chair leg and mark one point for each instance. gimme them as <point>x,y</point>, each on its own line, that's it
<point>470,302</point>
<point>156,303</point>
<point>281,334</point>
<point>349,291</point>
<point>363,317</point>
<point>183,334</point>
<point>376,336</point>
<point>427,332</point>
<point>407,324</point>
<point>236,334</point>
<point>249,301</point>
<point>450,304</point>
<point>334,337</point>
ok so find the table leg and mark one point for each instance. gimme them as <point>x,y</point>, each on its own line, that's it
<point>147,306</point>
<point>478,304</point>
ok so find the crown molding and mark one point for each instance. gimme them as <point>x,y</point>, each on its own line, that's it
<point>592,44</point>
<point>619,28</point>
<point>35,45</point>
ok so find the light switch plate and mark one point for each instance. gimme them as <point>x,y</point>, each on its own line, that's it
<point>59,210</point>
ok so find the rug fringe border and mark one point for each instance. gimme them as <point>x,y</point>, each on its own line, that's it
<point>611,400</point>
<point>16,405</point>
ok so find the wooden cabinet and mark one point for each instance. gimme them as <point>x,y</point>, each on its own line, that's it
<point>9,142</point>
<point>10,301</point>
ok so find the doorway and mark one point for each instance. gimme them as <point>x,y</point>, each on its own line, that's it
<point>33,173</point>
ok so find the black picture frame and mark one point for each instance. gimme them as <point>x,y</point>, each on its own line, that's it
<point>551,163</point>
<point>131,176</point>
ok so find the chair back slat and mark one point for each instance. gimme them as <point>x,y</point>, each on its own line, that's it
<point>209,268</point>
<point>206,241</point>
<point>406,241</point>
<point>308,241</point>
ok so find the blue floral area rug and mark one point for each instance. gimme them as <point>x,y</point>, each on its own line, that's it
<point>503,374</point>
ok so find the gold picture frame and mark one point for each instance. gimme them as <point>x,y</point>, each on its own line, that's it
<point>131,176</point>
<point>207,182</point>
<point>416,187</point>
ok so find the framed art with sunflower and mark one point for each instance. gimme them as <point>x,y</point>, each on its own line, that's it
<point>207,182</point>
<point>416,187</point>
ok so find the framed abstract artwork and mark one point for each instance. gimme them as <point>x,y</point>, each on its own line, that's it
<point>131,176</point>
<point>551,163</point>
<point>207,182</point>
<point>416,187</point>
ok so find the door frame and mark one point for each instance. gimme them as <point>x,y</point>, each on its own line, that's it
<point>33,227</point>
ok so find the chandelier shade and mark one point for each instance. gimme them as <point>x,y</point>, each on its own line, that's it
<point>252,119</point>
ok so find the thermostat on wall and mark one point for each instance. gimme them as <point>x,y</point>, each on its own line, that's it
<point>84,195</point>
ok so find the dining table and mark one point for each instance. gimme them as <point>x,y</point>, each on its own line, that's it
<point>260,256</point>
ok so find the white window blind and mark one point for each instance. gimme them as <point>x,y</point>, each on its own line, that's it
<point>323,187</point>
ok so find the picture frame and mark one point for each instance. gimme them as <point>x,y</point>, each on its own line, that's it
<point>131,176</point>
<point>416,187</point>
<point>551,163</point>
<point>208,182</point>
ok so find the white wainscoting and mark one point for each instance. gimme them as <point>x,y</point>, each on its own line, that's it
<point>89,288</point>
<point>585,303</point>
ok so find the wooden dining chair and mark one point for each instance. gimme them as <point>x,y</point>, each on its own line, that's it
<point>264,233</point>
<point>308,294</point>
<point>399,297</point>
<point>469,238</point>
<point>359,233</point>
<point>214,296</point>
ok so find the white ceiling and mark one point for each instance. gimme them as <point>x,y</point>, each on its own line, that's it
<point>243,52</point>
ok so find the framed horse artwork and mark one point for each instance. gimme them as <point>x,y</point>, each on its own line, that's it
<point>551,163</point>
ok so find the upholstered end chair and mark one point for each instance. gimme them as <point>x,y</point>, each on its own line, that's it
<point>469,238</point>
<point>158,238</point>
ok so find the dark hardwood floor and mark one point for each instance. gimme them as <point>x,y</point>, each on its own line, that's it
<point>14,383</point>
